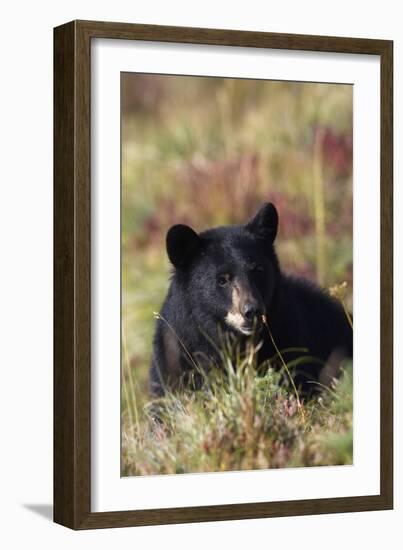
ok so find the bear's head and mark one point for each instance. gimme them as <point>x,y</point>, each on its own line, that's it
<point>228,274</point>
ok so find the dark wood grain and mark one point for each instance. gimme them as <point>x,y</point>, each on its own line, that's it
<point>220,37</point>
<point>387,273</point>
<point>72,292</point>
<point>72,269</point>
<point>64,378</point>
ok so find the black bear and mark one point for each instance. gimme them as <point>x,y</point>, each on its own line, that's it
<point>228,280</point>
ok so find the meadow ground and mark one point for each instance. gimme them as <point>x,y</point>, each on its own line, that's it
<point>209,151</point>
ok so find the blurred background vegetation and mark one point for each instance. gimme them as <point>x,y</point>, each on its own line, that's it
<point>208,151</point>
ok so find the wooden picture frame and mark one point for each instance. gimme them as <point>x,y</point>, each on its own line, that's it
<point>72,271</point>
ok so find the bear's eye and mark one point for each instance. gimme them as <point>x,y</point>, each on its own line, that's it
<point>223,279</point>
<point>256,268</point>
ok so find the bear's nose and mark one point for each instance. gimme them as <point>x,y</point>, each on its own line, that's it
<point>250,311</point>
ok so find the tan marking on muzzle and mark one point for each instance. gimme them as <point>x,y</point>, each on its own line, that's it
<point>234,317</point>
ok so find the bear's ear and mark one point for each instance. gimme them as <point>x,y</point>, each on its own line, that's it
<point>182,243</point>
<point>265,223</point>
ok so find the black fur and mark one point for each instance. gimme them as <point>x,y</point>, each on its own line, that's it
<point>207,267</point>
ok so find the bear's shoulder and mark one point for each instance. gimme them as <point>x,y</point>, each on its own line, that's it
<point>307,293</point>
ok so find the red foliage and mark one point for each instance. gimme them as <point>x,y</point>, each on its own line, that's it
<point>337,150</point>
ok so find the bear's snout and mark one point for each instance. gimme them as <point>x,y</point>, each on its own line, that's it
<point>251,311</point>
<point>245,312</point>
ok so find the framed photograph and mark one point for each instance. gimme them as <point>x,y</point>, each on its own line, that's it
<point>222,274</point>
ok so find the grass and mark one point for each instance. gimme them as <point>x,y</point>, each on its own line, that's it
<point>240,421</point>
<point>209,151</point>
